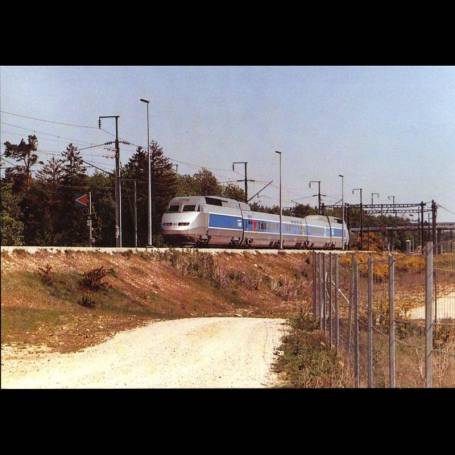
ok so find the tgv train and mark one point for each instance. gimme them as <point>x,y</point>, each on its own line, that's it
<point>218,221</point>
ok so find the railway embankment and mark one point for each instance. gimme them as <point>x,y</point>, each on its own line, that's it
<point>67,299</point>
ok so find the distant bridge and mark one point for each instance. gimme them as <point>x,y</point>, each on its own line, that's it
<point>407,227</point>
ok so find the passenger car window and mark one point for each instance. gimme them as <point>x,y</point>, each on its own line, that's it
<point>189,208</point>
<point>213,201</point>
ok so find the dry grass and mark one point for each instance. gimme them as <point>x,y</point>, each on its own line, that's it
<point>307,361</point>
<point>41,306</point>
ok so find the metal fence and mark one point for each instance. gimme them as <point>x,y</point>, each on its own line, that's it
<point>392,329</point>
<point>443,310</point>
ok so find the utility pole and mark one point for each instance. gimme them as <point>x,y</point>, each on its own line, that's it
<point>134,208</point>
<point>149,172</point>
<point>342,209</point>
<point>421,226</point>
<point>361,215</point>
<point>434,209</point>
<point>393,202</point>
<point>135,214</point>
<point>372,196</point>
<point>245,180</point>
<point>319,193</point>
<point>118,188</point>
<point>372,202</point>
<point>89,222</point>
<point>281,208</point>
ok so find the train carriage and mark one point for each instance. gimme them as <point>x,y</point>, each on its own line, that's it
<point>218,221</point>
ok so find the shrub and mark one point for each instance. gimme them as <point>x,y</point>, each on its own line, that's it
<point>86,302</point>
<point>127,254</point>
<point>306,360</point>
<point>20,253</point>
<point>45,274</point>
<point>93,279</point>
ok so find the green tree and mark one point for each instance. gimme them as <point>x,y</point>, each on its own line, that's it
<point>71,220</point>
<point>103,208</point>
<point>164,188</point>
<point>206,183</point>
<point>233,191</point>
<point>73,170</point>
<point>11,228</point>
<point>186,186</point>
<point>23,153</point>
<point>37,215</point>
<point>51,173</point>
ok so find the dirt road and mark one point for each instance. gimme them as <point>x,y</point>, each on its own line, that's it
<point>199,352</point>
<point>446,308</point>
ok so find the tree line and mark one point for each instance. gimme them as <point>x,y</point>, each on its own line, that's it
<point>38,206</point>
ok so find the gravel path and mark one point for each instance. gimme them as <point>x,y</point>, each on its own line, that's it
<point>446,308</point>
<point>200,352</point>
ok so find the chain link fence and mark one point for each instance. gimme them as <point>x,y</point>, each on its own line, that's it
<point>387,327</point>
<point>443,354</point>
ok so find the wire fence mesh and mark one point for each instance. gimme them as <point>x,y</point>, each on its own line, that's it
<point>377,313</point>
<point>444,314</point>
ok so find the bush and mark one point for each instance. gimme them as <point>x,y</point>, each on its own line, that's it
<point>93,279</point>
<point>86,302</point>
<point>306,360</point>
<point>45,274</point>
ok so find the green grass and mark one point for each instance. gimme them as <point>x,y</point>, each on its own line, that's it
<point>19,321</point>
<point>306,360</point>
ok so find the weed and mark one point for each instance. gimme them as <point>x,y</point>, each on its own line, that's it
<point>45,274</point>
<point>112,272</point>
<point>86,302</point>
<point>93,279</point>
<point>306,360</point>
<point>20,253</point>
<point>127,254</point>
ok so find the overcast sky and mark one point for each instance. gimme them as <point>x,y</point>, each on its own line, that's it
<point>389,130</point>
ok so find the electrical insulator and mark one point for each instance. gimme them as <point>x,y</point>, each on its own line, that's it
<point>99,123</point>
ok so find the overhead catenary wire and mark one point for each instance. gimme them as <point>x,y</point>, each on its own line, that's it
<point>446,209</point>
<point>50,121</point>
<point>47,133</point>
<point>67,124</point>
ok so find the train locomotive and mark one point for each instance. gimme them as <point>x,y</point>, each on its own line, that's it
<point>218,221</point>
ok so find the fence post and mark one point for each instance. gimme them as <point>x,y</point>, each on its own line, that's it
<point>324,295</point>
<point>337,315</point>
<point>391,321</point>
<point>315,274</point>
<point>321,290</point>
<point>356,324</point>
<point>370,322</point>
<point>435,285</point>
<point>330,299</point>
<point>428,316</point>
<point>351,299</point>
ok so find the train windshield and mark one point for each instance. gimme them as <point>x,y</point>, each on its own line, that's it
<point>189,208</point>
<point>173,208</point>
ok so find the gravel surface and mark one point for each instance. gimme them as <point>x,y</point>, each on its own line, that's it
<point>446,308</point>
<point>199,352</point>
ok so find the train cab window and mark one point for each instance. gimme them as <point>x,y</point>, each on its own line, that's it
<point>173,208</point>
<point>189,208</point>
<point>213,201</point>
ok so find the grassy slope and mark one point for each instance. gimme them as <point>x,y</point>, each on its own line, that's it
<point>162,286</point>
<point>141,287</point>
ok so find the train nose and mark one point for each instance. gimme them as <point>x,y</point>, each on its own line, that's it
<point>176,221</point>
